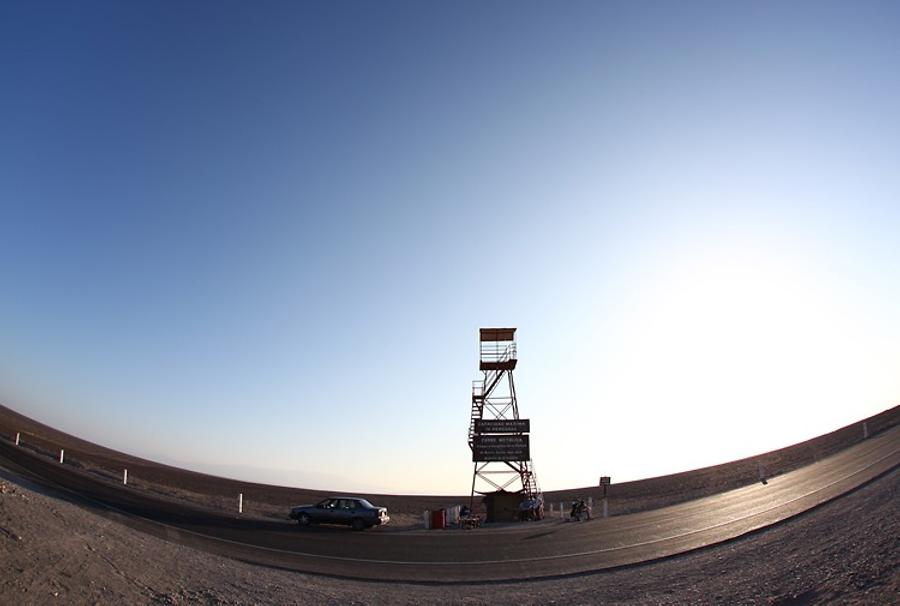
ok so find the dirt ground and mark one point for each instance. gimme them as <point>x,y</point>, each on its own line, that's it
<point>845,552</point>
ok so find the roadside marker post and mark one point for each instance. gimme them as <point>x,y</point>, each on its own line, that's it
<point>61,455</point>
<point>125,478</point>
<point>17,438</point>
<point>865,431</point>
<point>562,510</point>
<point>241,502</point>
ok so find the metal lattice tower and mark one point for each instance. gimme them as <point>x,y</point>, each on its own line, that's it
<point>501,454</point>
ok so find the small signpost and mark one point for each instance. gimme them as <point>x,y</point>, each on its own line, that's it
<point>605,482</point>
<point>62,454</point>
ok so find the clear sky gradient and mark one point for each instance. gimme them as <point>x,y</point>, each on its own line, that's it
<point>259,238</point>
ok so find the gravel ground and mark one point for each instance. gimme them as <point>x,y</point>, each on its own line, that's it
<point>845,552</point>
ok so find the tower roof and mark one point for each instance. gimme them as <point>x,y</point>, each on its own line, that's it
<point>498,334</point>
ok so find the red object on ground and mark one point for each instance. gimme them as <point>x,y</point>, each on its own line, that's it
<point>438,519</point>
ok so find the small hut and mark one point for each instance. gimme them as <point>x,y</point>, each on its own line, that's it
<point>502,506</point>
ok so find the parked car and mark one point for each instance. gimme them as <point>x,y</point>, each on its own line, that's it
<point>353,511</point>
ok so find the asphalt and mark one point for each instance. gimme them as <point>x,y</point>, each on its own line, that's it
<point>550,548</point>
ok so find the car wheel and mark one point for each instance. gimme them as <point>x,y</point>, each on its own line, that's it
<point>303,520</point>
<point>359,524</point>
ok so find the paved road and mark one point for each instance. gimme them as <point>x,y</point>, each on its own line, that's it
<point>526,551</point>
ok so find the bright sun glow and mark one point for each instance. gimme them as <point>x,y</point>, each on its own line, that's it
<point>736,353</point>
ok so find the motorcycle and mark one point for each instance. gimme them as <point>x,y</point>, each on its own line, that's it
<point>580,511</point>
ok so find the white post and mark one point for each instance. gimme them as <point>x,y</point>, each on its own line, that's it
<point>551,510</point>
<point>125,478</point>
<point>605,508</point>
<point>591,503</point>
<point>17,438</point>
<point>426,518</point>
<point>241,502</point>
<point>61,454</point>
<point>865,431</point>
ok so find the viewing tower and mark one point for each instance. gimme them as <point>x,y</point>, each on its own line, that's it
<point>498,438</point>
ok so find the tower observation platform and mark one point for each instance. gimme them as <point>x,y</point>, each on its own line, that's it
<point>497,349</point>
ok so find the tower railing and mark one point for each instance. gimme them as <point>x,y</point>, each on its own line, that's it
<point>497,351</point>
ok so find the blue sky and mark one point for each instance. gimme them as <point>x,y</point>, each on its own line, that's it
<point>242,236</point>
